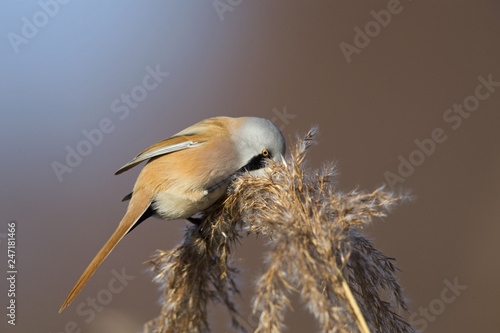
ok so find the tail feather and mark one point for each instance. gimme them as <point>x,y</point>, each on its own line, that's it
<point>138,206</point>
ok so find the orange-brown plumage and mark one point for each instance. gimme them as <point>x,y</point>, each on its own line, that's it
<point>138,205</point>
<point>188,172</point>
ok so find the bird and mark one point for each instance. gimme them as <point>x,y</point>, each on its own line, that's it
<point>188,172</point>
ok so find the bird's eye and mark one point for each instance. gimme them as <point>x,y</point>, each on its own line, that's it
<point>265,152</point>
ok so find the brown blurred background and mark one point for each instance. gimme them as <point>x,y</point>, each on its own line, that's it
<point>281,60</point>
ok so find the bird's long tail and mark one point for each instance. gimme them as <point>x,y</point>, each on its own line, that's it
<point>138,206</point>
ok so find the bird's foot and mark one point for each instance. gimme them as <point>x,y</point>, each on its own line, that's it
<point>195,219</point>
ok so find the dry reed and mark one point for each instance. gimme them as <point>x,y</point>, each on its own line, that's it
<point>315,249</point>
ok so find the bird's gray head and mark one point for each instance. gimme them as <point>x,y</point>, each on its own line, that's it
<point>259,139</point>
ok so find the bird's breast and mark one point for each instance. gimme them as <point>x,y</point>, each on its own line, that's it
<point>186,182</point>
<point>171,204</point>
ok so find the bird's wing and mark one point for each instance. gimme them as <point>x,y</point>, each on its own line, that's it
<point>127,197</point>
<point>191,137</point>
<point>166,146</point>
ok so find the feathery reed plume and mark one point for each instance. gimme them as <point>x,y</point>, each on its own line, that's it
<point>315,249</point>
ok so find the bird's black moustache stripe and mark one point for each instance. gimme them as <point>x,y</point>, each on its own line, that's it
<point>257,162</point>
